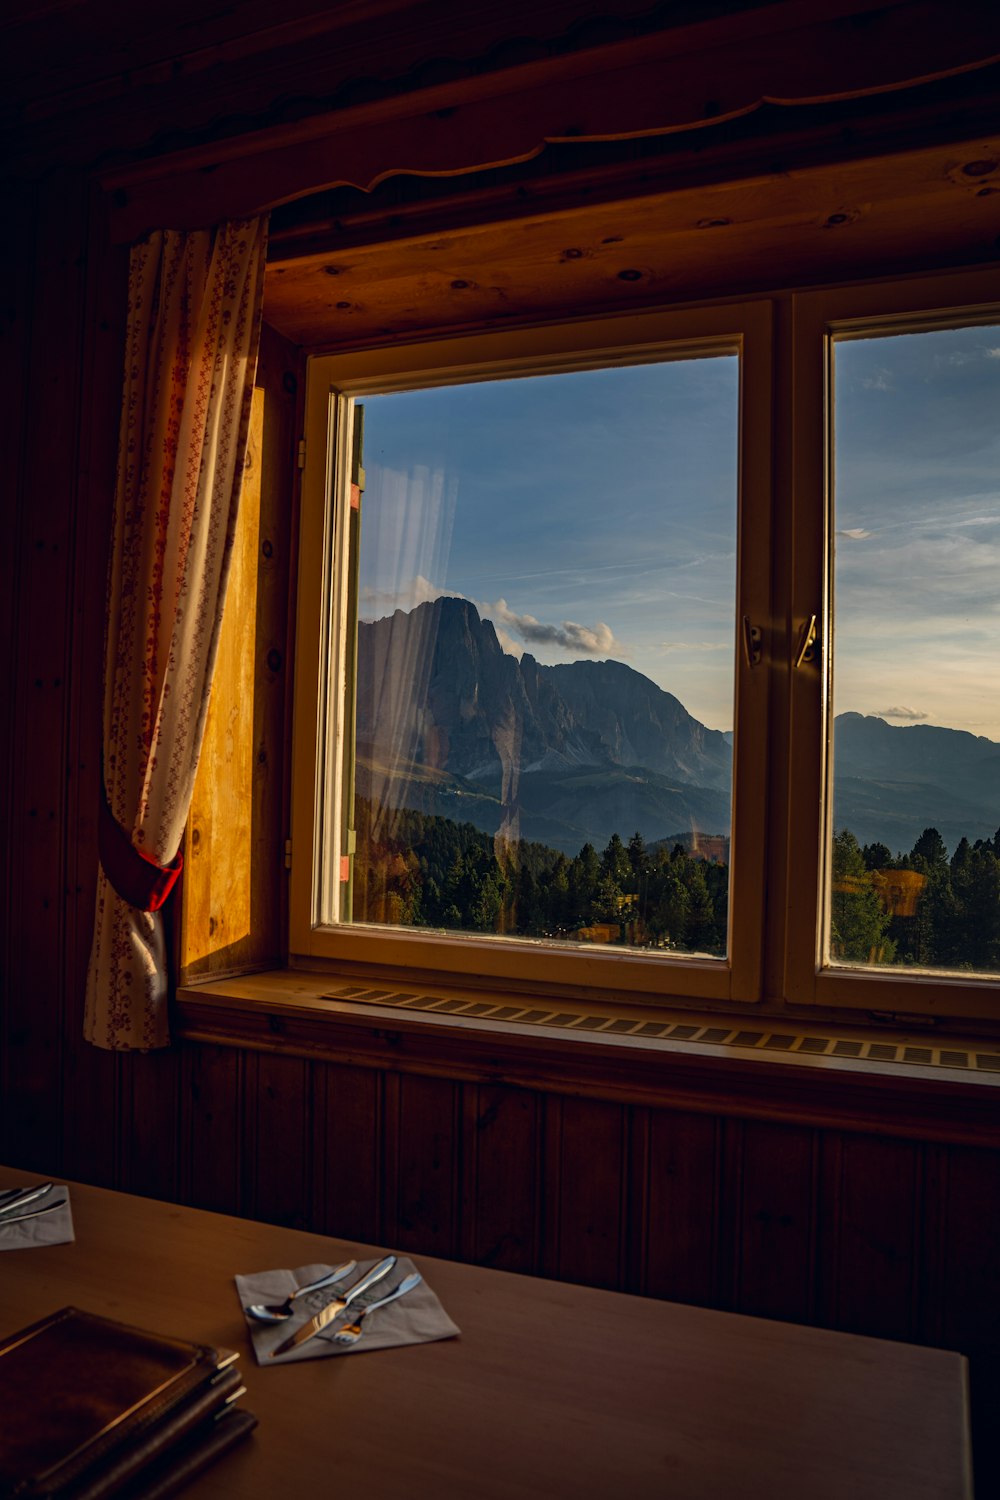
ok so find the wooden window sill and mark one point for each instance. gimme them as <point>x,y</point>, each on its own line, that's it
<point>803,1071</point>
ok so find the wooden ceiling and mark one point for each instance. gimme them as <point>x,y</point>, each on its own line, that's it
<point>373,280</point>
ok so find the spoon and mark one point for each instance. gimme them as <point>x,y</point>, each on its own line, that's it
<point>353,1331</point>
<point>277,1312</point>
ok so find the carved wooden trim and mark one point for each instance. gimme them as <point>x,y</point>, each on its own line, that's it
<point>676,79</point>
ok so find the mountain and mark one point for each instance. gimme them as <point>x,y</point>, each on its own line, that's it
<point>449,723</point>
<point>892,781</point>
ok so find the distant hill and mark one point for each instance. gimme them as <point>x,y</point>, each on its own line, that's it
<point>892,781</point>
<point>448,723</point>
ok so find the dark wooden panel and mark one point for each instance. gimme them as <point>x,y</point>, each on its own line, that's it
<point>501,1132</point>
<point>423,1173</point>
<point>768,1186</point>
<point>90,1076</point>
<point>212,1127</point>
<point>681,1218</point>
<point>970,1283</point>
<point>585,1191</point>
<point>15,349</point>
<point>871,1207</point>
<point>149,1148</point>
<point>347,1152</point>
<point>92,1089</point>
<point>44,543</point>
<point>277,1155</point>
<point>285,1009</point>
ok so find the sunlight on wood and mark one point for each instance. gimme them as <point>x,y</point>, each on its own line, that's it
<point>219,841</point>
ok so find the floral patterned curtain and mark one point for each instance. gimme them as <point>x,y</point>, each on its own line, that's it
<point>194,309</point>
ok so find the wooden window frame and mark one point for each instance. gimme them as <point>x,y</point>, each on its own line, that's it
<point>780,759</point>
<point>937,301</point>
<point>619,975</point>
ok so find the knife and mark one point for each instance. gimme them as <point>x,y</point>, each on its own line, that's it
<point>327,1314</point>
<point>16,1198</point>
<point>32,1213</point>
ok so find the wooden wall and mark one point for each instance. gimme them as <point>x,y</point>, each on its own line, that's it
<point>898,1237</point>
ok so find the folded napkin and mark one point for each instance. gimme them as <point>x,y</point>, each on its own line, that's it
<point>55,1228</point>
<point>416,1318</point>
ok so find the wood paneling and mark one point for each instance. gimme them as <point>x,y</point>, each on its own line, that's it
<point>91,1088</point>
<point>586,1182</point>
<point>422,1164</point>
<point>149,1150</point>
<point>349,1144</point>
<point>502,1171</point>
<point>43,535</point>
<point>705,240</point>
<point>234,880</point>
<point>874,1230</point>
<point>869,1204</point>
<point>277,1156</point>
<point>212,1128</point>
<point>769,1200</point>
<point>681,1180</point>
<point>968,1213</point>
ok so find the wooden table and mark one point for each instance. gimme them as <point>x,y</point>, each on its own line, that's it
<point>552,1390</point>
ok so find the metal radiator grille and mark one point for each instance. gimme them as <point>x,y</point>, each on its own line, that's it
<point>716,1034</point>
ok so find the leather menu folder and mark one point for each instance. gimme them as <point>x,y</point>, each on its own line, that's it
<point>91,1408</point>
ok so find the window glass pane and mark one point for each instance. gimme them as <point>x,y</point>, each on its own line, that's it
<point>915,867</point>
<point>545,648</point>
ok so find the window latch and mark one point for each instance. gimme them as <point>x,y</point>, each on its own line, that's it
<point>808,643</point>
<point>752,642</point>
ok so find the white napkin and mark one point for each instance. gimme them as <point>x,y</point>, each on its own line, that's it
<point>47,1229</point>
<point>416,1318</point>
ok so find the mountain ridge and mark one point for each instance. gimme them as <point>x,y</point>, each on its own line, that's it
<point>450,723</point>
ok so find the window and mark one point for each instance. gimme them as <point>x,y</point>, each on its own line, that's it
<point>893,721</point>
<point>525,687</point>
<point>915,796</point>
<point>491,633</point>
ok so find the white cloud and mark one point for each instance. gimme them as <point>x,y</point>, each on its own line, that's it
<point>992,353</point>
<point>508,643</point>
<point>591,640</point>
<point>881,380</point>
<point>373,603</point>
<point>856,533</point>
<point>900,713</point>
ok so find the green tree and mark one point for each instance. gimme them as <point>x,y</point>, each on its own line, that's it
<point>701,934</point>
<point>929,852</point>
<point>877,856</point>
<point>858,923</point>
<point>584,873</point>
<point>615,863</point>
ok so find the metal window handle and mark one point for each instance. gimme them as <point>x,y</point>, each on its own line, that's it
<point>808,643</point>
<point>753,648</point>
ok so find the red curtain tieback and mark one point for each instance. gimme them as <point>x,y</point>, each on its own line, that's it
<point>135,876</point>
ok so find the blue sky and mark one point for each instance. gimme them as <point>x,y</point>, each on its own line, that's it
<point>917,573</point>
<point>594,514</point>
<point>589,514</point>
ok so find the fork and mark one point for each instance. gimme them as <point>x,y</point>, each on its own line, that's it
<point>353,1331</point>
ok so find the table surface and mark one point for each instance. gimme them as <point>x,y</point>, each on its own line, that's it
<point>552,1390</point>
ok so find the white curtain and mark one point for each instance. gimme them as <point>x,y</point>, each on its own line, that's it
<point>193,328</point>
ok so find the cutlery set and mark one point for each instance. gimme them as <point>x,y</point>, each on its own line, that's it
<point>16,1204</point>
<point>263,1312</point>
